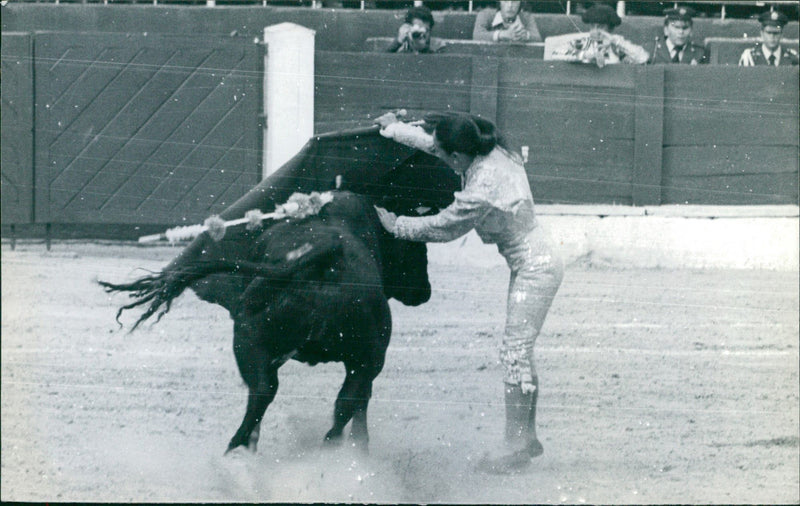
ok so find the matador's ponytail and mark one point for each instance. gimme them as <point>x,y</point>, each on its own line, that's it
<point>464,133</point>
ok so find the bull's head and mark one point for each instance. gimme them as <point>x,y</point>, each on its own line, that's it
<point>405,270</point>
<point>404,264</point>
<point>420,185</point>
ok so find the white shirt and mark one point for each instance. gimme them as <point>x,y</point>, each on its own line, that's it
<point>498,20</point>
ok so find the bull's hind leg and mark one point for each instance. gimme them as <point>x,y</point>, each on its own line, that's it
<point>352,403</point>
<point>358,429</point>
<point>260,373</point>
<point>257,401</point>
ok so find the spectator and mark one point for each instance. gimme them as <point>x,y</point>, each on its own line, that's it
<point>597,46</point>
<point>769,50</point>
<point>508,23</point>
<point>676,46</point>
<point>414,35</point>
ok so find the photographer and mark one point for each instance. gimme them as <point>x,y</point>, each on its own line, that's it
<point>414,35</point>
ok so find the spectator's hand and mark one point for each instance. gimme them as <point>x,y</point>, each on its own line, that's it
<point>389,118</point>
<point>387,218</point>
<point>616,39</point>
<point>404,32</point>
<point>517,31</point>
<point>601,36</point>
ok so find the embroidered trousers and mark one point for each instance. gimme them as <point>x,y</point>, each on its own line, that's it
<point>536,274</point>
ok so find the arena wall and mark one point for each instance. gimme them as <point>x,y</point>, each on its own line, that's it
<point>624,135</point>
<point>633,137</point>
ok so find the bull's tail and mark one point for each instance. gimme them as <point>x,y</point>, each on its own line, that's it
<point>159,290</point>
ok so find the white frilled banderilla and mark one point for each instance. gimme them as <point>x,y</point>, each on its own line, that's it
<point>298,206</point>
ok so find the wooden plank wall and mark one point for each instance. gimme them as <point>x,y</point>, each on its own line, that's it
<point>353,88</point>
<point>622,134</point>
<point>628,135</point>
<point>144,128</point>
<point>730,135</point>
<point>16,155</point>
<point>578,122</point>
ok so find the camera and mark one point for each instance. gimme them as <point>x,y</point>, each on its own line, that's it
<point>417,33</point>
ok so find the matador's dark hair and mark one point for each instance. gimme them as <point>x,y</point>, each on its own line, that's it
<point>465,133</point>
<point>420,12</point>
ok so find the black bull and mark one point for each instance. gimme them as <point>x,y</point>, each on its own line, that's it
<point>315,289</point>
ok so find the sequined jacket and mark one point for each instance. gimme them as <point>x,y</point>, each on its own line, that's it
<point>495,199</point>
<point>580,47</point>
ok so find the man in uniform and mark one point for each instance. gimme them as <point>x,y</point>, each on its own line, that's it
<point>769,51</point>
<point>675,46</point>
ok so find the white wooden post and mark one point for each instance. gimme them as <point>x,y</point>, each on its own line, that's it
<point>621,9</point>
<point>288,92</point>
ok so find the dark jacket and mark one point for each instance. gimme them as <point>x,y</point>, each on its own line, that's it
<point>754,56</point>
<point>693,54</point>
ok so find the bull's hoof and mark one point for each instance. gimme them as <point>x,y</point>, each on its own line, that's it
<point>332,440</point>
<point>248,445</point>
<point>239,452</point>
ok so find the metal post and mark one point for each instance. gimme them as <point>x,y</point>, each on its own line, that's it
<point>469,7</point>
<point>722,13</point>
<point>569,7</point>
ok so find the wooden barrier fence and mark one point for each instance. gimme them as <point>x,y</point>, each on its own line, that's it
<point>632,135</point>
<point>621,134</point>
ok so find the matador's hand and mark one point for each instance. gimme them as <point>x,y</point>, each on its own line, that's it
<point>389,118</point>
<point>387,218</point>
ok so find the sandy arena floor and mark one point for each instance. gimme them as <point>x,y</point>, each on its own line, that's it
<point>657,386</point>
